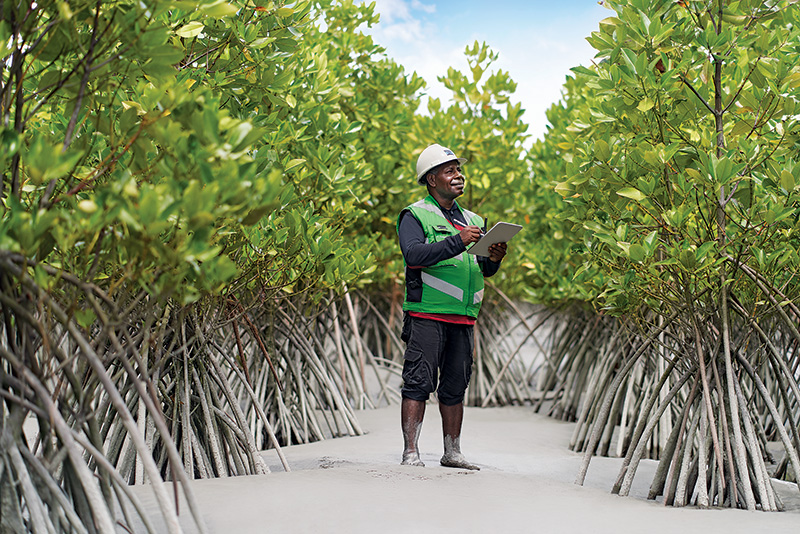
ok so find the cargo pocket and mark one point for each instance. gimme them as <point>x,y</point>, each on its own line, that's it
<point>413,355</point>
<point>405,334</point>
<point>419,376</point>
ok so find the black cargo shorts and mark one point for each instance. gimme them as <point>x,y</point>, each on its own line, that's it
<point>438,358</point>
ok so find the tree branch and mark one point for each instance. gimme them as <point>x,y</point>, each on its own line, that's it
<point>691,88</point>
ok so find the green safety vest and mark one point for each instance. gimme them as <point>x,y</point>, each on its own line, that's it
<point>454,285</point>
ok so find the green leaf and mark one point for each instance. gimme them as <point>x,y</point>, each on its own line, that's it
<point>85,318</point>
<point>688,259</point>
<point>787,180</point>
<point>260,42</point>
<point>741,127</point>
<point>632,193</point>
<point>87,206</point>
<point>46,161</point>
<point>240,136</point>
<point>703,249</point>
<point>636,252</point>
<point>192,29</point>
<point>256,215</point>
<point>294,163</point>
<point>694,174</point>
<point>601,150</point>
<point>564,189</point>
<point>651,241</point>
<point>585,71</point>
<point>6,45</point>
<point>219,9</point>
<point>9,143</point>
<point>645,22</point>
<point>645,105</point>
<point>630,59</point>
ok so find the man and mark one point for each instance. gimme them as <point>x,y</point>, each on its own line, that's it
<point>444,289</point>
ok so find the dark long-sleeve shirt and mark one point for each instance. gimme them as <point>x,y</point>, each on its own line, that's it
<point>418,253</point>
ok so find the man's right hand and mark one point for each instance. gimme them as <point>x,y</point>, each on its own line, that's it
<point>470,234</point>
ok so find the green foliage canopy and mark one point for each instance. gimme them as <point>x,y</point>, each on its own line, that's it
<point>189,147</point>
<point>681,157</point>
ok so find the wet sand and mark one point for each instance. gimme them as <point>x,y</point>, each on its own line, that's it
<point>526,485</point>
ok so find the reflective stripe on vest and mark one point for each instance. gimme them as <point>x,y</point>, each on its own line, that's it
<point>478,297</point>
<point>445,287</point>
<point>426,206</point>
<point>454,285</point>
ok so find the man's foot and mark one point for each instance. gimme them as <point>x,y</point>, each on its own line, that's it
<point>458,461</point>
<point>411,414</point>
<point>412,458</point>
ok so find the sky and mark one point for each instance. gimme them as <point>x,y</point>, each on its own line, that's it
<point>537,41</point>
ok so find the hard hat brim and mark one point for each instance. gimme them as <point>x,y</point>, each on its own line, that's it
<point>421,178</point>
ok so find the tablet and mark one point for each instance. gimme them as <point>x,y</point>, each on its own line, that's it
<point>501,232</point>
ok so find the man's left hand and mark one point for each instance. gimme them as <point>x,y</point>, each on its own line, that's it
<point>497,252</point>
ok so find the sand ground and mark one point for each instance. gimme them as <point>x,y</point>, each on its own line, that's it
<point>526,484</point>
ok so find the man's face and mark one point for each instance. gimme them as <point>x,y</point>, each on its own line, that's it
<point>448,180</point>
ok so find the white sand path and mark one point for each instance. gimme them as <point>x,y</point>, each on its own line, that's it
<point>526,485</point>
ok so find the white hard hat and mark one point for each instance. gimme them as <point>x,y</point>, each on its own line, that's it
<point>433,156</point>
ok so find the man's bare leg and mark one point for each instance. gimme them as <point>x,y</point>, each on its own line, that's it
<point>411,415</point>
<point>452,417</point>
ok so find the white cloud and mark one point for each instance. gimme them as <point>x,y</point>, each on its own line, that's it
<point>537,51</point>
<point>412,41</point>
<point>407,31</point>
<point>392,10</point>
<point>416,4</point>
